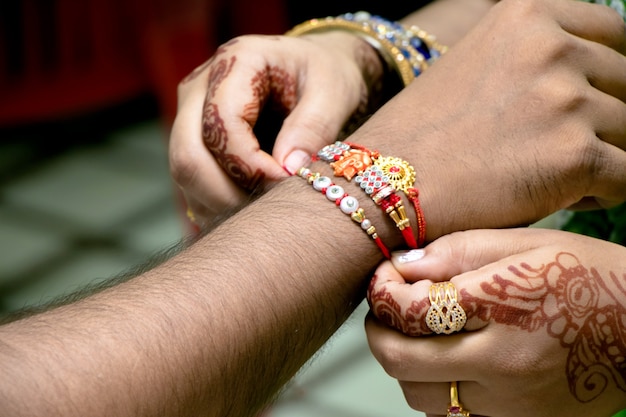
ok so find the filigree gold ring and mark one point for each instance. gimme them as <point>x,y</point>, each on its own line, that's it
<point>445,314</point>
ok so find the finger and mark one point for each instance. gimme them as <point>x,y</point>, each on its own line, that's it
<point>316,121</point>
<point>434,398</point>
<point>412,310</point>
<point>604,69</point>
<point>609,177</point>
<point>610,124</point>
<point>425,359</point>
<point>594,22</point>
<point>469,358</point>
<point>463,251</point>
<point>192,166</point>
<point>460,257</point>
<point>229,115</point>
<point>399,304</point>
<point>431,398</point>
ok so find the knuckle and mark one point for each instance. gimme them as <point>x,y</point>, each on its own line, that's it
<point>521,11</point>
<point>393,360</point>
<point>415,398</point>
<point>182,168</point>
<point>565,96</point>
<point>585,158</point>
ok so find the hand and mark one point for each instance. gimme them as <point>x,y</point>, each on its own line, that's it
<point>315,83</point>
<point>546,313</point>
<point>523,117</point>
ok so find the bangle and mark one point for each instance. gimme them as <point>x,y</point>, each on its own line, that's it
<point>407,51</point>
<point>346,203</point>
<point>411,41</point>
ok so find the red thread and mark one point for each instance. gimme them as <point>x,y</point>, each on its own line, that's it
<point>413,195</point>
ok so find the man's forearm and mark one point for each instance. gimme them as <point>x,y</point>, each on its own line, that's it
<point>216,330</point>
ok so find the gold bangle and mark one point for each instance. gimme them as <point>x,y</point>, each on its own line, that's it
<point>392,55</point>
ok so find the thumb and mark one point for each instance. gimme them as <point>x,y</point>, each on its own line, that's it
<point>315,122</point>
<point>460,252</point>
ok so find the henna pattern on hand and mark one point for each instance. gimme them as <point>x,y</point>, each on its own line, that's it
<point>273,85</point>
<point>274,97</point>
<point>388,311</point>
<point>585,312</point>
<point>219,51</point>
<point>214,133</point>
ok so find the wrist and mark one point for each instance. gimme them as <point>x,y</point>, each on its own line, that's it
<point>393,49</point>
<point>359,179</point>
<point>364,56</point>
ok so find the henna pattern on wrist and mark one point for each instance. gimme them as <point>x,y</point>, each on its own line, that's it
<point>584,311</point>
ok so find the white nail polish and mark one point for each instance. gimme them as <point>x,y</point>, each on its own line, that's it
<point>404,257</point>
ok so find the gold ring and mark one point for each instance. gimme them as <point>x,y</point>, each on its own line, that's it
<point>445,314</point>
<point>456,409</point>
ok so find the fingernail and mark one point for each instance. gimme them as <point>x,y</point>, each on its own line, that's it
<point>296,160</point>
<point>405,257</point>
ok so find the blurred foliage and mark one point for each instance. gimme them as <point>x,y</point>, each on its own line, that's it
<point>609,224</point>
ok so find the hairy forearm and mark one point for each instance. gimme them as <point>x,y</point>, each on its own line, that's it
<point>216,330</point>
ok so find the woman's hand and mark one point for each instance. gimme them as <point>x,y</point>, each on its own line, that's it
<point>545,332</point>
<point>308,87</point>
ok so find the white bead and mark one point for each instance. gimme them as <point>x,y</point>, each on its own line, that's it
<point>349,205</point>
<point>321,183</point>
<point>366,224</point>
<point>334,192</point>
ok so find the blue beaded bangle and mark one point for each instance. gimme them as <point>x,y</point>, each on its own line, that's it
<point>407,51</point>
<point>415,44</point>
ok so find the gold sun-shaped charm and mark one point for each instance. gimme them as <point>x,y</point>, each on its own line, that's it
<point>400,173</point>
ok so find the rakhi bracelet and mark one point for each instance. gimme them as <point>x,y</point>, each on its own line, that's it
<point>377,186</point>
<point>376,173</point>
<point>402,176</point>
<point>407,51</point>
<point>347,160</point>
<point>347,204</point>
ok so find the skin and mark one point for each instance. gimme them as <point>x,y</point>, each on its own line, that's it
<point>546,307</point>
<point>217,163</point>
<point>218,329</point>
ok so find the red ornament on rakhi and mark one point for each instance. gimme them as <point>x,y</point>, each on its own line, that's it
<point>392,205</point>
